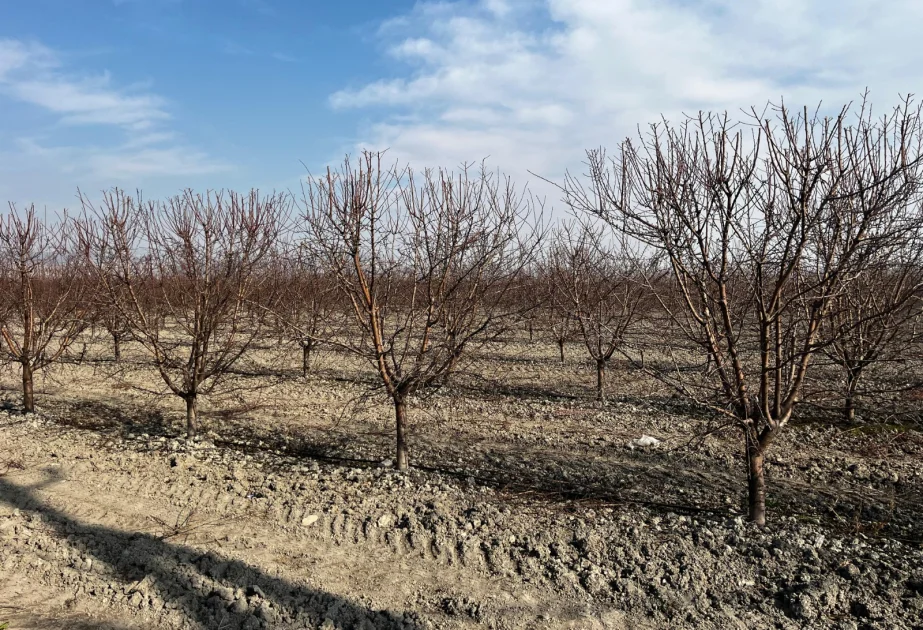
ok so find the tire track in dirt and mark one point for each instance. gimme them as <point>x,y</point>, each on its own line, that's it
<point>350,557</point>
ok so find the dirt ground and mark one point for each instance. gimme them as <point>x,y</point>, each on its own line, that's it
<point>530,506</point>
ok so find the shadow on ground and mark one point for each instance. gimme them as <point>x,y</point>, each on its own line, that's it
<point>590,469</point>
<point>201,586</point>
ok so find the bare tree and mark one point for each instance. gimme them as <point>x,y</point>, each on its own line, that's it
<point>875,319</point>
<point>182,274</point>
<point>43,308</point>
<point>558,323</point>
<point>424,262</point>
<point>308,305</point>
<point>107,316</point>
<point>763,225</point>
<point>600,284</point>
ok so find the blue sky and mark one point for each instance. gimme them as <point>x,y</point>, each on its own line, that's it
<point>163,94</point>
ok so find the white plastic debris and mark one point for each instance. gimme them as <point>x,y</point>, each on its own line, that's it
<point>643,441</point>
<point>386,463</point>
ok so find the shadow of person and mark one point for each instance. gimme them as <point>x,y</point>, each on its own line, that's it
<point>207,590</point>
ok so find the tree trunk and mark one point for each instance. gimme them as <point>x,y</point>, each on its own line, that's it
<point>400,416</point>
<point>530,331</point>
<point>756,481</point>
<point>28,388</point>
<point>849,405</point>
<point>117,347</point>
<point>600,377</point>
<point>305,359</point>
<point>561,349</point>
<point>192,424</point>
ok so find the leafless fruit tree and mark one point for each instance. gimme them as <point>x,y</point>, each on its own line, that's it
<point>42,305</point>
<point>558,324</point>
<point>600,284</point>
<point>763,224</point>
<point>105,315</point>
<point>307,304</point>
<point>182,273</point>
<point>875,320</point>
<point>424,261</point>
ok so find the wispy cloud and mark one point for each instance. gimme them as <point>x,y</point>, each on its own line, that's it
<point>34,74</point>
<point>90,102</point>
<point>230,47</point>
<point>123,162</point>
<point>284,58</point>
<point>534,83</point>
<point>16,55</point>
<point>260,6</point>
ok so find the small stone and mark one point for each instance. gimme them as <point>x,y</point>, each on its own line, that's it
<point>239,606</point>
<point>255,591</point>
<point>849,571</point>
<point>266,612</point>
<point>309,520</point>
<point>225,593</point>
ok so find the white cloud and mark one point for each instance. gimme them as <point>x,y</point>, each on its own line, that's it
<point>32,73</point>
<point>90,102</point>
<point>260,6</point>
<point>534,83</point>
<point>230,47</point>
<point>278,56</point>
<point>15,55</point>
<point>122,163</point>
<point>35,75</point>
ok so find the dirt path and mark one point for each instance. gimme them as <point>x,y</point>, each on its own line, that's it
<point>96,536</point>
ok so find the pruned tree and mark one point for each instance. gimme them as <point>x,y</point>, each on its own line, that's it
<point>876,319</point>
<point>602,286</point>
<point>558,322</point>
<point>107,316</point>
<point>43,305</point>
<point>763,224</point>
<point>308,307</point>
<point>182,274</point>
<point>424,261</point>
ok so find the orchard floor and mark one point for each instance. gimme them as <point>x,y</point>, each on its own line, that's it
<point>528,507</point>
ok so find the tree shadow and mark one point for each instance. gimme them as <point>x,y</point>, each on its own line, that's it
<point>125,420</point>
<point>592,469</point>
<point>209,589</point>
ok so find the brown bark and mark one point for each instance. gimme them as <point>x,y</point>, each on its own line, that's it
<point>28,388</point>
<point>305,358</point>
<point>600,380</point>
<point>192,423</point>
<point>400,416</point>
<point>849,405</point>
<point>561,349</point>
<point>117,347</point>
<point>756,481</point>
